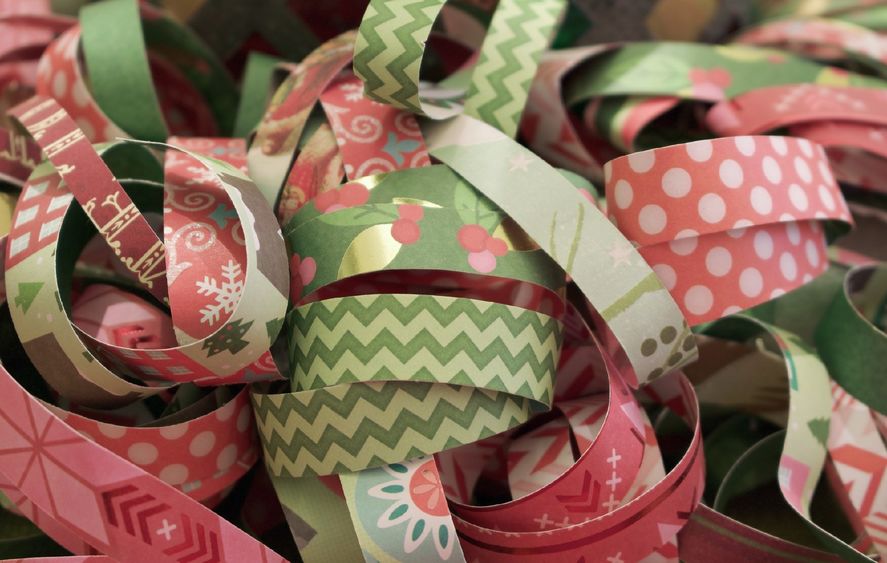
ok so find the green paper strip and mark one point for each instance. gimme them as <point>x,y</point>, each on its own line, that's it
<point>518,35</point>
<point>318,519</point>
<point>851,345</point>
<point>350,427</point>
<point>359,240</point>
<point>416,338</point>
<point>114,50</point>
<point>254,95</point>
<point>664,69</point>
<point>388,54</point>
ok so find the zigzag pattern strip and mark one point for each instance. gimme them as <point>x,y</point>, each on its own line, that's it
<point>425,338</point>
<point>518,35</point>
<point>356,426</point>
<point>389,48</point>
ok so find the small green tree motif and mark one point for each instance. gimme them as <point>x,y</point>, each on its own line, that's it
<point>27,292</point>
<point>819,428</point>
<point>229,338</point>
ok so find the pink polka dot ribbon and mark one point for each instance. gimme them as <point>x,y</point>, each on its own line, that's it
<point>850,122</point>
<point>727,223</point>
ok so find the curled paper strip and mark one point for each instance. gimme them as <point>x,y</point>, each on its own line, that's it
<point>740,214</point>
<point>850,325</point>
<point>445,347</point>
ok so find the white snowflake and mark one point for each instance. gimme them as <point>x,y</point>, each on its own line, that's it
<point>226,295</point>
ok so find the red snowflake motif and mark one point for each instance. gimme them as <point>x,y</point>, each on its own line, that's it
<point>482,247</point>
<point>406,229</point>
<point>301,274</point>
<point>709,84</point>
<point>349,195</point>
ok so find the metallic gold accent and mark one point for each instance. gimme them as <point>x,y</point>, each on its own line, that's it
<point>414,201</point>
<point>370,251</point>
<point>515,237</point>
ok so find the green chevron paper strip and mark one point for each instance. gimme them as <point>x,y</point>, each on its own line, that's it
<point>358,410</point>
<point>851,337</point>
<point>518,34</point>
<point>625,292</point>
<point>356,426</point>
<point>422,338</point>
<point>388,54</point>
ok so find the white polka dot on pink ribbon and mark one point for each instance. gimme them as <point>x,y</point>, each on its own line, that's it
<point>727,223</point>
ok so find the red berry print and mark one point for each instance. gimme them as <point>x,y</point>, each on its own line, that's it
<point>411,211</point>
<point>482,247</point>
<point>405,231</point>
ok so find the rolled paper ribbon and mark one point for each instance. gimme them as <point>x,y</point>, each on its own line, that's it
<point>424,318</point>
<point>766,109</point>
<point>727,223</point>
<point>277,135</point>
<point>516,37</point>
<point>846,120</point>
<point>379,49</point>
<point>699,72</point>
<point>224,347</point>
<point>607,534</point>
<point>621,436</point>
<point>623,118</point>
<point>54,342</point>
<point>621,103</point>
<point>855,447</point>
<point>230,352</point>
<point>821,38</point>
<point>500,78</point>
<point>102,499</point>
<point>546,124</point>
<point>317,168</point>
<point>201,230</point>
<point>802,454</point>
<point>196,97</point>
<point>18,157</point>
<point>564,224</point>
<point>371,140</point>
<point>850,339</point>
<point>103,199</point>
<point>401,212</point>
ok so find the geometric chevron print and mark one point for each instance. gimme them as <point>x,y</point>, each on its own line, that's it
<point>389,48</point>
<point>355,426</point>
<point>516,38</point>
<point>424,338</point>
